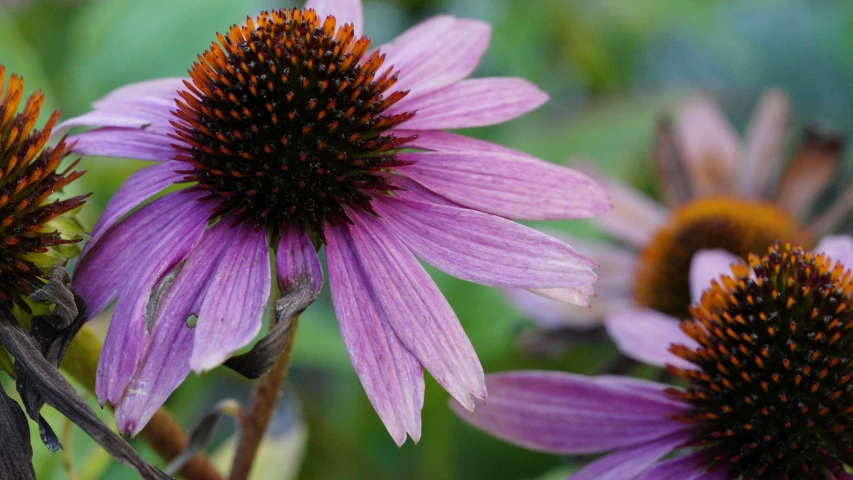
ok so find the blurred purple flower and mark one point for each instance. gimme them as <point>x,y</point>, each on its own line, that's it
<point>720,193</point>
<point>290,134</point>
<point>766,362</point>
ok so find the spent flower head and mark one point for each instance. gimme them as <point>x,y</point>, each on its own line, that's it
<point>28,179</point>
<point>716,192</point>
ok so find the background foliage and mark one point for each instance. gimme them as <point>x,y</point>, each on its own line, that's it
<point>611,67</point>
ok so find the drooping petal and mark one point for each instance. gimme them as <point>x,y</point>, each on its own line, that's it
<point>160,88</point>
<point>408,188</point>
<point>684,467</point>
<point>296,258</point>
<point>436,53</point>
<point>165,362</point>
<point>390,374</point>
<point>709,265</point>
<point>102,269</point>
<point>134,143</point>
<point>565,413</point>
<point>646,335</point>
<point>508,185</point>
<point>417,311</point>
<point>635,217</point>
<point>837,247</point>
<point>477,102</point>
<point>144,105</point>
<point>169,239</point>
<point>344,11</point>
<point>765,138</point>
<point>812,170</point>
<point>138,188</point>
<point>553,314</point>
<point>710,147</point>
<point>630,462</point>
<point>572,295</point>
<point>483,248</point>
<point>615,264</point>
<point>441,141</point>
<point>234,302</point>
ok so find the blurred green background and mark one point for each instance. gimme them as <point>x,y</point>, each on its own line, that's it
<point>610,66</point>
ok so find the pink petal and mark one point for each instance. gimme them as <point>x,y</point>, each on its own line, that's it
<point>160,88</point>
<point>234,302</point>
<point>685,467</point>
<point>837,247</point>
<point>417,39</point>
<point>344,11</point>
<point>139,106</point>
<point>297,258</point>
<point>162,368</point>
<point>135,143</point>
<point>165,362</point>
<point>613,290</point>
<point>565,413</point>
<point>635,217</point>
<point>138,188</point>
<point>765,137</point>
<point>164,237</point>
<point>707,266</point>
<point>811,171</point>
<point>472,103</point>
<point>440,141</point>
<point>391,376</point>
<point>834,214</point>
<point>416,310</point>
<point>710,147</point>
<point>630,462</point>
<point>571,295</point>
<point>483,248</point>
<point>436,53</point>
<point>508,185</point>
<point>102,271</point>
<point>615,268</point>
<point>412,190</point>
<point>646,335</point>
<point>672,179</point>
<point>551,314</point>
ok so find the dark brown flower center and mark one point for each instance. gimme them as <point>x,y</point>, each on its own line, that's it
<point>771,390</point>
<point>735,225</point>
<point>27,178</point>
<point>284,120</point>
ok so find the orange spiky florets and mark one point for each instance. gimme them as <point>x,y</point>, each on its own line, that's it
<point>284,120</point>
<point>28,177</point>
<point>771,391</point>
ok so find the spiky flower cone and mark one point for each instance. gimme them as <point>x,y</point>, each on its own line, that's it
<point>28,177</point>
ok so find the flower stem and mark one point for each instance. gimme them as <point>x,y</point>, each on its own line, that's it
<point>260,411</point>
<point>162,432</point>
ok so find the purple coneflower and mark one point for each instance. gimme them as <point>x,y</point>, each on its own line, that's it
<point>292,133</point>
<point>766,361</point>
<point>719,193</point>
